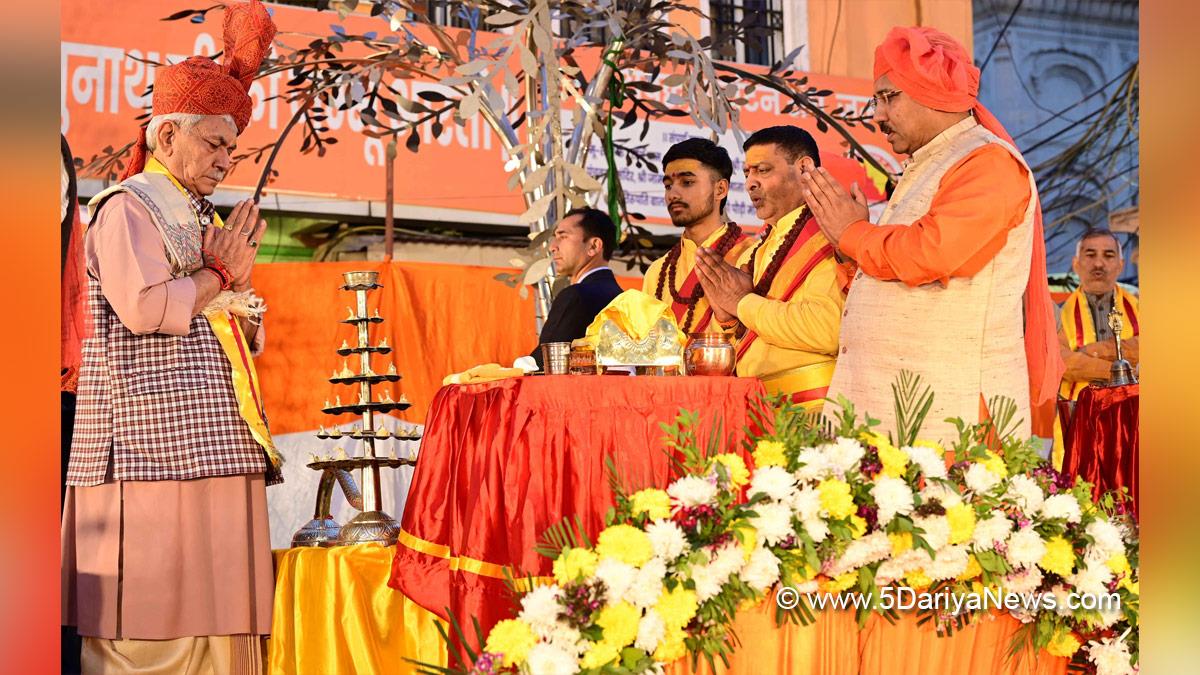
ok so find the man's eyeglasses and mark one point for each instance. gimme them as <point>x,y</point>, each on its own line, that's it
<point>882,97</point>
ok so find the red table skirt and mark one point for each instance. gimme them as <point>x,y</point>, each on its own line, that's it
<point>1102,445</point>
<point>503,461</point>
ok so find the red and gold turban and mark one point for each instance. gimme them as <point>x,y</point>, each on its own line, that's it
<point>936,71</point>
<point>200,86</point>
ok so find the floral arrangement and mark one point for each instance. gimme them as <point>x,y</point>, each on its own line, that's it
<point>835,511</point>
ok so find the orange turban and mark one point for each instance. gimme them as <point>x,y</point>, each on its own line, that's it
<point>936,71</point>
<point>199,86</point>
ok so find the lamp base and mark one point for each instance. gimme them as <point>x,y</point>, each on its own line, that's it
<point>370,526</point>
<point>317,532</point>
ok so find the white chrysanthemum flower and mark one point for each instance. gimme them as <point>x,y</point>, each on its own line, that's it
<point>548,659</point>
<point>1025,493</point>
<point>708,584</point>
<point>946,495</point>
<point>773,522</point>
<point>667,540</point>
<point>937,530</point>
<point>540,608</point>
<point>807,503</point>
<point>773,481</point>
<point>1062,596</point>
<point>617,577</point>
<point>1111,656</point>
<point>949,562</point>
<point>1106,538</point>
<point>814,465</point>
<point>981,479</point>
<point>1061,506</point>
<point>650,632</point>
<point>1091,580</point>
<point>843,455</point>
<point>1025,580</point>
<point>727,561</point>
<point>566,638</point>
<point>647,586</point>
<point>863,551</point>
<point>893,570</point>
<point>931,464</point>
<point>693,491</point>
<point>991,531</point>
<point>816,528</point>
<point>1025,548</point>
<point>894,498</point>
<point>762,570</point>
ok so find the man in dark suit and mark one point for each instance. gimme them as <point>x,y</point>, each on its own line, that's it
<point>583,244</point>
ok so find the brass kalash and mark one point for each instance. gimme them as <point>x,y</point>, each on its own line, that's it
<point>372,524</point>
<point>1121,372</point>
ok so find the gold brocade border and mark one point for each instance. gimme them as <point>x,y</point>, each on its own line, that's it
<point>469,565</point>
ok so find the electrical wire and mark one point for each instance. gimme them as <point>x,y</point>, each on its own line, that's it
<point>1000,37</point>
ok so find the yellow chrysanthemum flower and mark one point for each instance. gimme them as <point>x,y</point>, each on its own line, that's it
<point>961,518</point>
<point>894,460</point>
<point>735,466</point>
<point>513,638</point>
<point>672,646</point>
<point>625,543</point>
<point>574,563</point>
<point>747,536</point>
<point>917,580</point>
<point>1064,643</point>
<point>599,655</point>
<point>1059,557</point>
<point>835,498</point>
<point>932,445</point>
<point>839,583</point>
<point>620,623</point>
<point>858,526</point>
<point>676,607</point>
<point>770,453</point>
<point>901,542</point>
<point>652,501</point>
<point>973,569</point>
<point>1119,565</point>
<point>995,464</point>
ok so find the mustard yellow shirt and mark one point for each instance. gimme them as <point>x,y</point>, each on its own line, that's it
<point>802,331</point>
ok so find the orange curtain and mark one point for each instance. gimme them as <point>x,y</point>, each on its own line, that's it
<point>440,319</point>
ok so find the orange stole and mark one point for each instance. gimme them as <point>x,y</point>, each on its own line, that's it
<point>809,249</point>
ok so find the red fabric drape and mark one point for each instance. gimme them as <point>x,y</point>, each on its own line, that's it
<point>503,461</point>
<point>1102,446</point>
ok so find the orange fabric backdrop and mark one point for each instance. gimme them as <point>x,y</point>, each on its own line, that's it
<point>440,319</point>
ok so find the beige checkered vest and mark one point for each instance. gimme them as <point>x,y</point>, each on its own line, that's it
<point>159,407</point>
<point>964,339</point>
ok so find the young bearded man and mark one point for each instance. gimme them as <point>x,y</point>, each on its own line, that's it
<point>696,175</point>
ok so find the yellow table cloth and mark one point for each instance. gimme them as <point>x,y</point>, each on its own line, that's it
<point>334,613</point>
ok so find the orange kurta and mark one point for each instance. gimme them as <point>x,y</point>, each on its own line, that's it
<point>959,235</point>
<point>685,268</point>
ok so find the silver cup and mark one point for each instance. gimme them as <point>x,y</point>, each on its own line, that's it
<point>556,357</point>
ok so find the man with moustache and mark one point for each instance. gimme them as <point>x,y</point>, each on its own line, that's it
<point>1085,338</point>
<point>783,300</point>
<point>696,174</point>
<point>951,282</point>
<point>166,553</point>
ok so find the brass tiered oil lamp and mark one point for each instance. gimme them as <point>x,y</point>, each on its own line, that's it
<point>372,524</point>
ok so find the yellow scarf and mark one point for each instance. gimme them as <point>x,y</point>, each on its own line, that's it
<point>237,350</point>
<point>1081,330</point>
